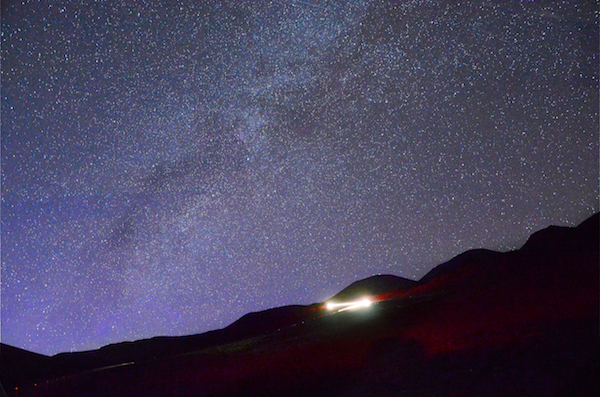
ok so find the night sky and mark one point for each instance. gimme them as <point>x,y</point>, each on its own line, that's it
<point>170,166</point>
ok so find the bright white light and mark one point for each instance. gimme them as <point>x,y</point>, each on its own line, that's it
<point>343,306</point>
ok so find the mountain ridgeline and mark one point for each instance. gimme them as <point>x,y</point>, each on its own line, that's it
<point>522,323</point>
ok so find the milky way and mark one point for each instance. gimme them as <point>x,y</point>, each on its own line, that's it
<point>170,166</point>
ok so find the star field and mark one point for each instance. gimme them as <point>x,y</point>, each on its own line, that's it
<point>170,166</point>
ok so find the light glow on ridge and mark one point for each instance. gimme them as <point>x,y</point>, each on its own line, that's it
<point>343,306</point>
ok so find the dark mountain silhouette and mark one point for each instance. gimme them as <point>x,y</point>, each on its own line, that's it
<point>485,323</point>
<point>375,285</point>
<point>468,257</point>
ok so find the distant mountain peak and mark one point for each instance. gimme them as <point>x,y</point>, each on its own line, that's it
<point>467,257</point>
<point>374,285</point>
<point>555,237</point>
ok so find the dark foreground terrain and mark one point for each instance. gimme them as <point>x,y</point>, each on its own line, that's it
<point>522,323</point>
